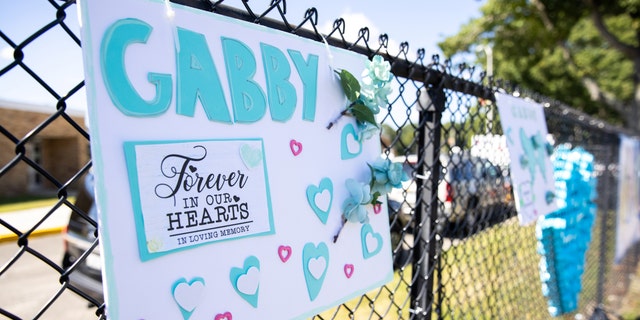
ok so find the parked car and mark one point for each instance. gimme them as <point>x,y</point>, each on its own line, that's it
<point>470,189</point>
<point>79,236</point>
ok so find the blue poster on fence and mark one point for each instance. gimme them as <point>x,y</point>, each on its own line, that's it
<point>564,235</point>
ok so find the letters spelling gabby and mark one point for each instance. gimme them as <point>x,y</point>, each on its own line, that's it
<point>197,78</point>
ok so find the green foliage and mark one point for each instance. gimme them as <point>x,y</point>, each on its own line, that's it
<point>351,88</point>
<point>408,140</point>
<point>350,85</point>
<point>555,47</point>
<point>403,141</point>
<point>479,119</point>
<point>597,59</point>
<point>363,113</point>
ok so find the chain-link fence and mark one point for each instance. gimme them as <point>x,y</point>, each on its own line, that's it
<point>475,261</point>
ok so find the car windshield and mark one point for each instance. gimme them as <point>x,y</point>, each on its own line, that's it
<point>464,171</point>
<point>474,169</point>
<point>492,171</point>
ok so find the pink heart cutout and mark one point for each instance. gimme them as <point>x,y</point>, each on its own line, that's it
<point>377,208</point>
<point>296,147</point>
<point>224,316</point>
<point>348,270</point>
<point>284,252</point>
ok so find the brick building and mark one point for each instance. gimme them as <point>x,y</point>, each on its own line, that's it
<point>58,148</point>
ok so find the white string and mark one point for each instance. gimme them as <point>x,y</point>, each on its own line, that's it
<point>329,54</point>
<point>170,13</point>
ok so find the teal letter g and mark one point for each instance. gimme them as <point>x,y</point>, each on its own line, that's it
<point>125,97</point>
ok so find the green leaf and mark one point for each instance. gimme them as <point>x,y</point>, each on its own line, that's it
<point>372,175</point>
<point>350,85</point>
<point>363,113</point>
<point>374,198</point>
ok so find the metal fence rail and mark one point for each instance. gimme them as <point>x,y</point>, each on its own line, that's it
<point>480,266</point>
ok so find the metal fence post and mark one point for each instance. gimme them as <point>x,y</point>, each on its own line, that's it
<point>426,251</point>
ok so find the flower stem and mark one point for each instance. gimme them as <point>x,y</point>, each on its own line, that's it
<point>343,113</point>
<point>335,238</point>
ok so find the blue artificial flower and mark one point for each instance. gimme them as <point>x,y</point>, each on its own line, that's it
<point>376,84</point>
<point>372,91</point>
<point>386,175</point>
<point>396,175</point>
<point>353,208</point>
<point>379,71</point>
<point>367,130</point>
<point>382,94</point>
<point>368,97</point>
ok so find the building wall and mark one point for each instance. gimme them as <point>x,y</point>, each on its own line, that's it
<point>59,149</point>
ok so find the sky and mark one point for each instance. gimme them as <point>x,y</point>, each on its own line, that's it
<point>58,60</point>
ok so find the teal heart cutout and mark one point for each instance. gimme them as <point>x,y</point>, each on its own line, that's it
<point>187,295</point>
<point>365,231</point>
<point>252,157</point>
<point>245,281</point>
<point>315,263</point>
<point>349,131</point>
<point>313,191</point>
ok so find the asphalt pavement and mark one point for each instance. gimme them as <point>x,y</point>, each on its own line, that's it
<point>46,222</point>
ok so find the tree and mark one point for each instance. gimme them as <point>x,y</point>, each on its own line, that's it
<point>402,140</point>
<point>585,53</point>
<point>475,122</point>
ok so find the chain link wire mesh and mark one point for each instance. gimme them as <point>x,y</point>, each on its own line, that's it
<point>459,251</point>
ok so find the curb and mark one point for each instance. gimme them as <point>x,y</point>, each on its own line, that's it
<point>40,232</point>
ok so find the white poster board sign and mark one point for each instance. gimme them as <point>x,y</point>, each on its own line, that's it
<point>524,126</point>
<point>628,223</point>
<point>219,186</point>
